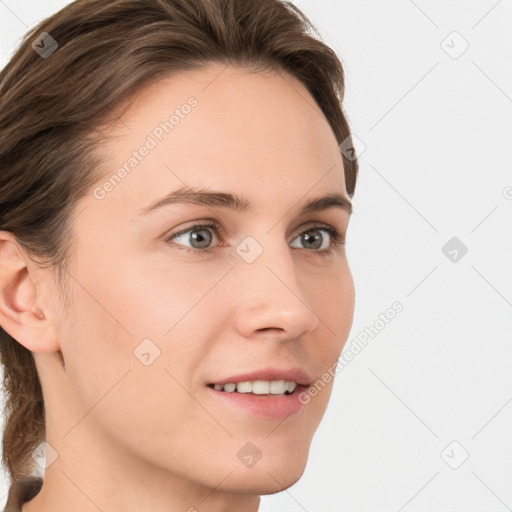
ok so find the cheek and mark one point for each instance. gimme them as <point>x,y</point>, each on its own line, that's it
<point>332,298</point>
<point>130,324</point>
<point>152,297</point>
<point>346,304</point>
<point>141,400</point>
<point>139,334</point>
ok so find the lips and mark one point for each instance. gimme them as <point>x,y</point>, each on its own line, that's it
<point>261,403</point>
<point>265,399</point>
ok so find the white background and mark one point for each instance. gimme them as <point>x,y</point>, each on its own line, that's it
<point>436,151</point>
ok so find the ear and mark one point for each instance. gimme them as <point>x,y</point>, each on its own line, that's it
<point>21,313</point>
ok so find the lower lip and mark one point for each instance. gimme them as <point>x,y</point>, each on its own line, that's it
<point>264,406</point>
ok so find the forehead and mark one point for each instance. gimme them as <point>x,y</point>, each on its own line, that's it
<point>224,127</point>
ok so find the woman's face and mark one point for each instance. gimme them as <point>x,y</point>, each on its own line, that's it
<point>156,319</point>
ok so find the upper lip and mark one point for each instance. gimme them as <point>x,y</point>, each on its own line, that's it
<point>291,374</point>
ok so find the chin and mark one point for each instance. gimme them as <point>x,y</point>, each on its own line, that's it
<point>267,477</point>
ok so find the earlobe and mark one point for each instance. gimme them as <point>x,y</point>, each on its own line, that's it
<point>21,315</point>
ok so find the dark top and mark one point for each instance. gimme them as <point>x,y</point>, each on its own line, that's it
<point>21,491</point>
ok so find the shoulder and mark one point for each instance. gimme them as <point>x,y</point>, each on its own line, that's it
<point>21,491</point>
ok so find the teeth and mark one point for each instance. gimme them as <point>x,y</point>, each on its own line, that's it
<point>229,387</point>
<point>244,387</point>
<point>259,387</point>
<point>290,385</point>
<point>277,387</point>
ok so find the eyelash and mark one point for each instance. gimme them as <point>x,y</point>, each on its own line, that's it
<point>336,237</point>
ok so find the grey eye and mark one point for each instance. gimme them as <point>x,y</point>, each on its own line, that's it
<point>312,239</point>
<point>200,237</point>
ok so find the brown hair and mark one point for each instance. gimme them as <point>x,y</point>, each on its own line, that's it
<point>50,109</point>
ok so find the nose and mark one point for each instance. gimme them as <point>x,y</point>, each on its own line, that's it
<point>272,301</point>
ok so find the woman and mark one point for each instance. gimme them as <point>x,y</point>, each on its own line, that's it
<point>175,288</point>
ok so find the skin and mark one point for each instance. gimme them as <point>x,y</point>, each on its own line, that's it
<point>132,437</point>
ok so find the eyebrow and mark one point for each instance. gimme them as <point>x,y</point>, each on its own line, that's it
<point>204,197</point>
